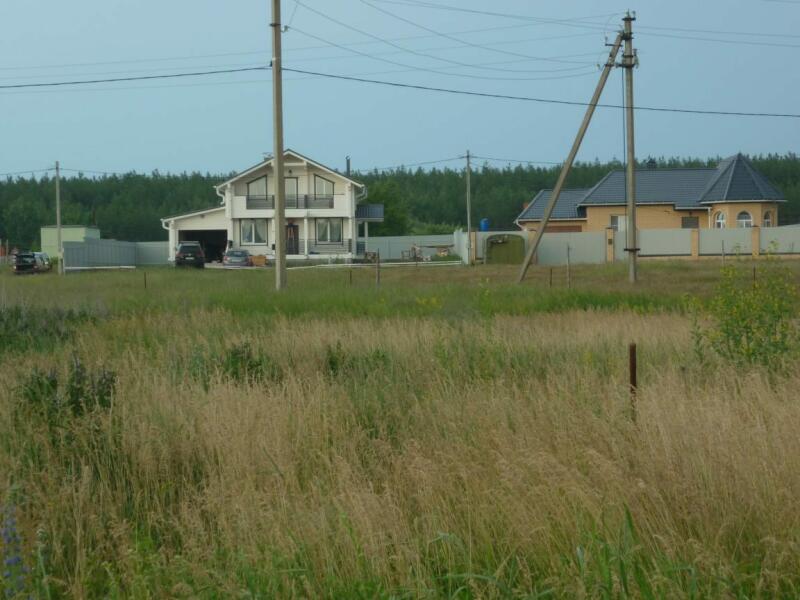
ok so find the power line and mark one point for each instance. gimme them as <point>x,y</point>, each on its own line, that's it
<point>437,71</point>
<point>408,86</point>
<point>390,43</point>
<point>543,100</point>
<point>136,78</point>
<point>582,23</point>
<point>27,172</point>
<point>417,164</point>
<point>514,160</point>
<point>453,38</point>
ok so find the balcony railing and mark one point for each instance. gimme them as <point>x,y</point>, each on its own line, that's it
<point>302,201</point>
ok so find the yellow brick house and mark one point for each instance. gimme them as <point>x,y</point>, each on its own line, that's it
<point>733,194</point>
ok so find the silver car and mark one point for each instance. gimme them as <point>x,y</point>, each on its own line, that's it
<point>237,258</point>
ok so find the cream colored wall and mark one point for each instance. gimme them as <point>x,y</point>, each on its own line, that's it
<point>756,209</point>
<point>656,216</point>
<point>553,225</point>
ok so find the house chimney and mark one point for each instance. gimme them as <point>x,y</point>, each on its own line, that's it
<point>347,168</point>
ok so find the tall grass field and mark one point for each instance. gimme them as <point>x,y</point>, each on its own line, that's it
<point>447,434</point>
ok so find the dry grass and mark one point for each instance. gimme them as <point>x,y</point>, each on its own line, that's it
<point>423,456</point>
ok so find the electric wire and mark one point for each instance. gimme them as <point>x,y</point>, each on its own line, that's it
<point>453,38</point>
<point>439,71</point>
<point>543,100</point>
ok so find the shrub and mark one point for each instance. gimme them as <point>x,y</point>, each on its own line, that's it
<point>753,318</point>
<point>240,363</point>
<point>24,327</point>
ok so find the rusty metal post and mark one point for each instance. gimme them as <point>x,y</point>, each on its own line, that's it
<point>551,276</point>
<point>633,379</point>
<point>378,269</point>
<point>351,276</point>
<point>145,280</point>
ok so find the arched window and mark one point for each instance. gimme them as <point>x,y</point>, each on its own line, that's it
<point>767,219</point>
<point>719,220</point>
<point>744,219</point>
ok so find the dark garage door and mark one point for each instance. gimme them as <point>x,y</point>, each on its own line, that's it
<point>213,241</point>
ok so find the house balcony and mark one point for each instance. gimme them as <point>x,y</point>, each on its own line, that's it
<point>302,201</point>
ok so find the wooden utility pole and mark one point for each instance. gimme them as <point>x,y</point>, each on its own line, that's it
<point>571,157</point>
<point>277,147</point>
<point>59,244</point>
<point>469,211</point>
<point>628,63</point>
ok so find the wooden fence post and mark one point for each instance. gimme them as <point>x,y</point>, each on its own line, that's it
<point>378,269</point>
<point>633,380</point>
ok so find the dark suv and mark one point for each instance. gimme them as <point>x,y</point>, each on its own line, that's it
<point>190,254</point>
<point>24,262</point>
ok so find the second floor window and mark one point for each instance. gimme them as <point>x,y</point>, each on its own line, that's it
<point>322,187</point>
<point>257,187</point>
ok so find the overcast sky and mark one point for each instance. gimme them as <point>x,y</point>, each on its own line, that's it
<point>223,122</point>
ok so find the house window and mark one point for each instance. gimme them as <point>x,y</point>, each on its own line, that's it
<point>744,219</point>
<point>254,231</point>
<point>329,230</point>
<point>719,220</point>
<point>618,222</point>
<point>322,187</point>
<point>690,222</point>
<point>257,187</point>
<point>767,219</point>
<point>290,185</point>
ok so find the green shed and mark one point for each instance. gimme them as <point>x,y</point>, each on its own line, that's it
<point>69,233</point>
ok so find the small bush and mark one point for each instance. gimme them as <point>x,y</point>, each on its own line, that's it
<point>240,363</point>
<point>753,317</point>
<point>339,362</point>
<point>81,392</point>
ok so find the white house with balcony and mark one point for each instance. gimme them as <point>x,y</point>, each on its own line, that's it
<point>325,213</point>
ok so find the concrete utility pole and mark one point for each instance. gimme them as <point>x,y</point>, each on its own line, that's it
<point>571,157</point>
<point>59,245</point>
<point>628,63</point>
<point>277,147</point>
<point>469,212</point>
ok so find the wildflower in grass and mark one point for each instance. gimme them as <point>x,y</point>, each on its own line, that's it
<point>14,571</point>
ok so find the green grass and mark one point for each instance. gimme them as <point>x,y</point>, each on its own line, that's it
<point>448,435</point>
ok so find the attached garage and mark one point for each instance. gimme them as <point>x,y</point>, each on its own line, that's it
<point>209,227</point>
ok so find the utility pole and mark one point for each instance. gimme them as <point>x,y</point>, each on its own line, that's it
<point>58,220</point>
<point>469,212</point>
<point>277,148</point>
<point>571,157</point>
<point>628,63</point>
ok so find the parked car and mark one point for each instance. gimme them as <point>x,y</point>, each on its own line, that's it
<point>42,262</point>
<point>237,258</point>
<point>24,262</point>
<point>190,254</point>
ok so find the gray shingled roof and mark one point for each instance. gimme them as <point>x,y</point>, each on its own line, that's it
<point>566,208</point>
<point>734,179</point>
<point>737,179</point>
<point>682,187</point>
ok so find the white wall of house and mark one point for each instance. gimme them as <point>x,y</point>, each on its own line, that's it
<point>234,211</point>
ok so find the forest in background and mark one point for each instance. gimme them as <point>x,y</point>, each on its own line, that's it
<point>130,206</point>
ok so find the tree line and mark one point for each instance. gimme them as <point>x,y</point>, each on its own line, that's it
<point>130,206</point>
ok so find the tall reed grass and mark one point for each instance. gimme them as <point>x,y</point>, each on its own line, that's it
<point>409,456</point>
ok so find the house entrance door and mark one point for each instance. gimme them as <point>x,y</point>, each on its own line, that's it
<point>292,239</point>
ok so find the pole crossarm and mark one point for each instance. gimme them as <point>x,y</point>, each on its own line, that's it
<point>548,211</point>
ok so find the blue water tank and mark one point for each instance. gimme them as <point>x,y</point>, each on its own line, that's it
<point>484,225</point>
